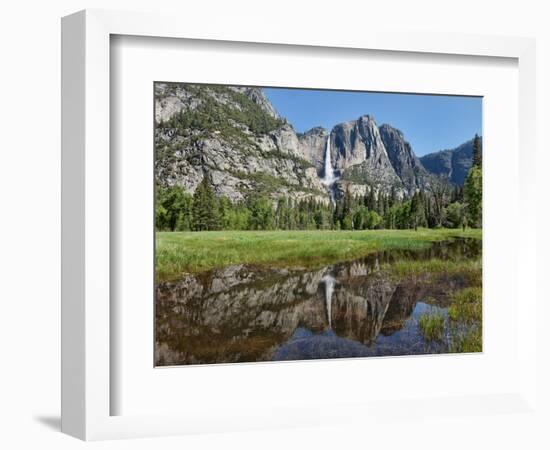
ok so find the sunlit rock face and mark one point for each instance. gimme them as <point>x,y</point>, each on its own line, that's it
<point>313,144</point>
<point>234,152</point>
<point>360,155</point>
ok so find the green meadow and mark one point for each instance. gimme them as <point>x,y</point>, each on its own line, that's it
<point>193,252</point>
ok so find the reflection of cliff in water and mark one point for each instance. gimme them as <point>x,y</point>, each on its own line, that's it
<point>244,313</point>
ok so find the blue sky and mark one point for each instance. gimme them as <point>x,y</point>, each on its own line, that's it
<point>429,122</point>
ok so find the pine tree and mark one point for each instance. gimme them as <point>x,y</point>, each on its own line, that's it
<point>473,196</point>
<point>380,204</point>
<point>415,210</point>
<point>473,186</point>
<point>205,210</point>
<point>393,197</point>
<point>370,200</point>
<point>261,213</point>
<point>476,152</point>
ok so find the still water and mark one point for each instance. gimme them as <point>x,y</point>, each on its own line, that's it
<point>350,309</point>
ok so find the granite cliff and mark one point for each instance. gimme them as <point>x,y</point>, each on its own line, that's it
<point>235,137</point>
<point>452,164</point>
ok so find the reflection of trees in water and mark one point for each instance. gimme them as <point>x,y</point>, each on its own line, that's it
<point>244,314</point>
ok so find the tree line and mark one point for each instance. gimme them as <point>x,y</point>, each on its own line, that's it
<point>438,206</point>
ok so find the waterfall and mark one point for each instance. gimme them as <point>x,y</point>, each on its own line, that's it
<point>328,178</point>
<point>329,289</point>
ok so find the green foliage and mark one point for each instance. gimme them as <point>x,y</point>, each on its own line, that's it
<point>476,152</point>
<point>399,216</point>
<point>439,198</point>
<point>261,214</point>
<point>346,223</point>
<point>455,215</point>
<point>432,326</point>
<point>176,210</point>
<point>205,208</point>
<point>173,209</point>
<point>417,211</point>
<point>473,187</point>
<point>372,221</point>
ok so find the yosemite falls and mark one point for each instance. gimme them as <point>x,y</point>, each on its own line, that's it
<point>329,178</point>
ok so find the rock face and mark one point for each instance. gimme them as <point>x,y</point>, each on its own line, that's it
<point>405,163</point>
<point>235,137</point>
<point>257,96</point>
<point>358,151</point>
<point>451,164</point>
<point>313,144</point>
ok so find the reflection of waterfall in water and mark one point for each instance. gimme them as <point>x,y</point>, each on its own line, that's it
<point>246,313</point>
<point>329,178</point>
<point>329,289</point>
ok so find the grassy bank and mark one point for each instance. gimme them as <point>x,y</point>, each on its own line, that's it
<point>466,312</point>
<point>192,252</point>
<point>464,323</point>
<point>431,269</point>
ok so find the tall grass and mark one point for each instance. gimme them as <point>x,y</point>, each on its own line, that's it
<point>468,342</point>
<point>432,326</point>
<point>465,313</point>
<point>466,306</point>
<point>469,269</point>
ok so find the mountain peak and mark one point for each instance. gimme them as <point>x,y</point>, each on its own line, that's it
<point>257,96</point>
<point>452,164</point>
<point>318,130</point>
<point>367,118</point>
<point>390,130</point>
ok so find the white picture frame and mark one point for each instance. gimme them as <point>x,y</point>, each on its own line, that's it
<point>86,220</point>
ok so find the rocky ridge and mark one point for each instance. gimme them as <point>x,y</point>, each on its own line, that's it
<point>452,164</point>
<point>235,136</point>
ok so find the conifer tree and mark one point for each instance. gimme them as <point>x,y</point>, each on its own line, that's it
<point>473,196</point>
<point>205,211</point>
<point>393,197</point>
<point>476,152</point>
<point>415,210</point>
<point>370,200</point>
<point>473,186</point>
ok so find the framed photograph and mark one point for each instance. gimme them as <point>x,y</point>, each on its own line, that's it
<point>250,217</point>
